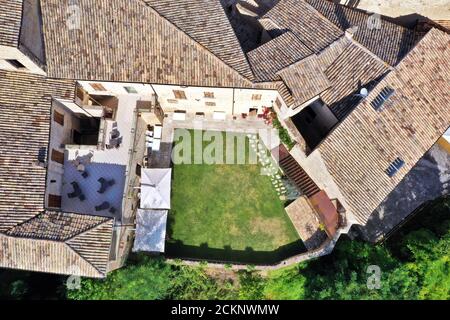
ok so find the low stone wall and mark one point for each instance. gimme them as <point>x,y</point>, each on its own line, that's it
<point>326,248</point>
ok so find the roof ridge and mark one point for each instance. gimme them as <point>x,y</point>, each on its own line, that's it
<point>147,4</point>
<point>66,242</point>
<point>106,219</point>
<point>82,258</point>
<point>366,50</point>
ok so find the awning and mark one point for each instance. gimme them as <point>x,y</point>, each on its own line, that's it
<point>155,188</point>
<point>150,230</point>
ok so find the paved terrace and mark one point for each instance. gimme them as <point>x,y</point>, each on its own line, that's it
<point>162,158</point>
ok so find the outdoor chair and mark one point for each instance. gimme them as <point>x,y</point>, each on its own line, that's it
<point>82,197</point>
<point>76,190</point>
<point>105,184</point>
<point>85,174</point>
<point>105,205</point>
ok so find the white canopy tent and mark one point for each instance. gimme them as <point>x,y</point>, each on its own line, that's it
<point>155,188</point>
<point>150,230</point>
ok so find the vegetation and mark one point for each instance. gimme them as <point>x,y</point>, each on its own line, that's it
<point>414,264</point>
<point>228,212</point>
<point>282,132</point>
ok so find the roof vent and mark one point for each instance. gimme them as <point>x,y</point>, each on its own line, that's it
<point>393,168</point>
<point>382,97</point>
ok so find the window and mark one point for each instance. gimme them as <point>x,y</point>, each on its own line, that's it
<point>54,201</point>
<point>97,86</point>
<point>130,89</point>
<point>172,101</point>
<point>396,165</point>
<point>57,156</point>
<point>256,97</point>
<point>278,102</point>
<point>209,95</point>
<point>58,117</point>
<point>210,104</point>
<point>138,169</point>
<point>179,94</point>
<point>382,97</point>
<point>15,63</point>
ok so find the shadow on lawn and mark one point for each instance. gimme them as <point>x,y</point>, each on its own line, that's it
<point>177,249</point>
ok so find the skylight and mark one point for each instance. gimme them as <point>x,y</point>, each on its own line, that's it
<point>396,165</point>
<point>382,97</point>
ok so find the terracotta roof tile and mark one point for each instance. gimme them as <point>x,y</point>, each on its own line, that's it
<point>277,54</point>
<point>358,152</point>
<point>305,79</point>
<point>25,102</point>
<point>10,18</point>
<point>206,22</point>
<point>314,30</point>
<point>391,42</point>
<point>128,41</point>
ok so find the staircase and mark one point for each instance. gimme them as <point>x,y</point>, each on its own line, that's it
<point>295,173</point>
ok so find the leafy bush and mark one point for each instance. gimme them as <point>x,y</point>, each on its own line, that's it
<point>282,132</point>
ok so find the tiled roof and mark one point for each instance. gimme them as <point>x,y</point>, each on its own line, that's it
<point>314,30</point>
<point>305,79</point>
<point>69,244</point>
<point>360,150</point>
<point>206,22</point>
<point>10,18</point>
<point>355,68</point>
<point>333,51</point>
<point>43,256</point>
<point>390,42</point>
<point>55,226</point>
<point>25,102</point>
<point>277,54</point>
<point>94,245</point>
<point>128,41</point>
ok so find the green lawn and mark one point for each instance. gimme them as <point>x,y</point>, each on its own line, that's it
<point>228,212</point>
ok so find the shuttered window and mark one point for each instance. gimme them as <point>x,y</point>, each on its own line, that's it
<point>278,103</point>
<point>58,117</point>
<point>54,201</point>
<point>179,94</point>
<point>256,97</point>
<point>97,86</point>
<point>57,156</point>
<point>209,95</point>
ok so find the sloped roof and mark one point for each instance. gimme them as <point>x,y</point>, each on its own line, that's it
<point>276,54</point>
<point>364,145</point>
<point>150,230</point>
<point>355,68</point>
<point>314,30</point>
<point>391,42</point>
<point>56,226</point>
<point>215,32</point>
<point>305,79</point>
<point>428,180</point>
<point>128,41</point>
<point>10,19</point>
<point>25,103</point>
<point>85,253</point>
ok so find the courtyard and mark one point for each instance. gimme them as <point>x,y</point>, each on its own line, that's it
<point>227,211</point>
